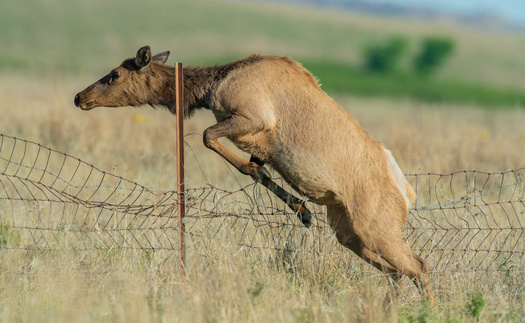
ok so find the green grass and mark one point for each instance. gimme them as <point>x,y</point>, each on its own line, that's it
<point>343,78</point>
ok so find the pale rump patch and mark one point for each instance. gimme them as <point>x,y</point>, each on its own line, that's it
<point>399,178</point>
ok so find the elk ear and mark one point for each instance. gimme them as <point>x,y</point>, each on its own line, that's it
<point>143,57</point>
<point>161,57</point>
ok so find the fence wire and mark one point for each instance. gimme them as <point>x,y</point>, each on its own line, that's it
<point>49,200</point>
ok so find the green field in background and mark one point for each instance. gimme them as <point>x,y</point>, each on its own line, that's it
<point>336,77</point>
<point>90,37</point>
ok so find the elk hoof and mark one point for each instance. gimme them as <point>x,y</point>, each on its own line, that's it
<point>305,216</point>
<point>258,173</point>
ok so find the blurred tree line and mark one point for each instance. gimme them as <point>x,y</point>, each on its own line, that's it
<point>397,69</point>
<point>386,57</point>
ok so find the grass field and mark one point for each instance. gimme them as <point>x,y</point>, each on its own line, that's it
<point>51,50</point>
<point>133,285</point>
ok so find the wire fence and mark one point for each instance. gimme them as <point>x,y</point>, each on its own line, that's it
<point>49,200</point>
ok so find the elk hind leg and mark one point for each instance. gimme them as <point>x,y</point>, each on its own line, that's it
<point>386,252</point>
<point>406,262</point>
<point>396,264</point>
<point>340,223</point>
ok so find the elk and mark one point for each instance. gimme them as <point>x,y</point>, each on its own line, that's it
<point>274,109</point>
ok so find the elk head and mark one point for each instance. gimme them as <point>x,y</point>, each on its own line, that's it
<point>137,81</point>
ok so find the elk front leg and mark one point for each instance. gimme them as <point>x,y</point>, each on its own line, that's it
<point>293,202</point>
<point>257,172</point>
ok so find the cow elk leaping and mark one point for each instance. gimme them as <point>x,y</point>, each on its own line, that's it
<point>274,109</point>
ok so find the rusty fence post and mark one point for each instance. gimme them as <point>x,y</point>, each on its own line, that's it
<point>179,105</point>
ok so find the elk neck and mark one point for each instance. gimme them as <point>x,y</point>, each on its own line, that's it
<point>199,82</point>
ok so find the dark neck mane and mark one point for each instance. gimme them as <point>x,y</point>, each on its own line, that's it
<point>198,83</point>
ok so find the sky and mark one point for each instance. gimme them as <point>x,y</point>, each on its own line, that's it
<point>512,10</point>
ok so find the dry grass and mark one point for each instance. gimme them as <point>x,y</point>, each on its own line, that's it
<point>444,138</point>
<point>230,284</point>
<point>227,283</point>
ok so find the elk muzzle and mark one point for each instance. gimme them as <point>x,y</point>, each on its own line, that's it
<point>80,102</point>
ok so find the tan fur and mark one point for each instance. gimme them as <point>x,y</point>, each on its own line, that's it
<point>274,109</point>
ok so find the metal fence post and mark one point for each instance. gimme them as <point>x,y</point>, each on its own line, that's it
<point>179,85</point>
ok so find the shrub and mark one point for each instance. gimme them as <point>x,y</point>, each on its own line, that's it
<point>8,236</point>
<point>384,58</point>
<point>434,52</point>
<point>475,305</point>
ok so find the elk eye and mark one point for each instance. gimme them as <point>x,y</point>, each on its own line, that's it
<point>115,75</point>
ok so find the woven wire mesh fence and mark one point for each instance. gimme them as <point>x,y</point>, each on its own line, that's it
<point>49,200</point>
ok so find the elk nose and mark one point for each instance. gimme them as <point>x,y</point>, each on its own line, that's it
<point>77,100</point>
